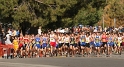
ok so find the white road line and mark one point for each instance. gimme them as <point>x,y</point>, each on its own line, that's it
<point>9,64</point>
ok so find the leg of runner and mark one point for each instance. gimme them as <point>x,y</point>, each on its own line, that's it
<point>76,49</point>
<point>83,45</point>
<point>44,49</point>
<point>53,46</point>
<point>71,51</point>
<point>115,48</point>
<point>97,47</point>
<point>60,49</point>
<point>79,48</point>
<point>107,49</point>
<point>41,51</point>
<point>87,49</point>
<point>67,49</point>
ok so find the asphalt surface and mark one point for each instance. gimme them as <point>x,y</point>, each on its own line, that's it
<point>103,61</point>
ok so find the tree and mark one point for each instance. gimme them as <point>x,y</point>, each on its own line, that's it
<point>114,9</point>
<point>51,14</point>
<point>6,10</point>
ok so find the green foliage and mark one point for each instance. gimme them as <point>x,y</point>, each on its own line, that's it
<point>6,9</point>
<point>117,9</point>
<point>55,13</point>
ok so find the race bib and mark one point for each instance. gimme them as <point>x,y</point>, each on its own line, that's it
<point>37,43</point>
<point>82,40</point>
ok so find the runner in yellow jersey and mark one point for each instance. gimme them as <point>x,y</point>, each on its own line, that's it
<point>15,44</point>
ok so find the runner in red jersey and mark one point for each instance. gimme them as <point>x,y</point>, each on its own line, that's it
<point>21,38</point>
<point>21,42</point>
<point>104,42</point>
<point>26,39</point>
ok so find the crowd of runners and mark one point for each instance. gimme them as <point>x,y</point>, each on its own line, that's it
<point>51,44</point>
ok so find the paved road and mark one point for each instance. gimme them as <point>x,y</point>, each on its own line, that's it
<point>114,61</point>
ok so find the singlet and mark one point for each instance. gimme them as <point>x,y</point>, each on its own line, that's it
<point>110,39</point>
<point>66,40</point>
<point>44,39</point>
<point>119,39</point>
<point>72,40</point>
<point>37,40</point>
<point>52,39</point>
<point>97,39</point>
<point>87,39</point>
<point>104,37</point>
<point>15,42</point>
<point>83,38</point>
<point>115,40</point>
<point>62,39</point>
<point>26,39</point>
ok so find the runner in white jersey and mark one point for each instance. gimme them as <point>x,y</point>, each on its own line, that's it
<point>87,44</point>
<point>66,41</point>
<point>52,42</point>
<point>119,43</point>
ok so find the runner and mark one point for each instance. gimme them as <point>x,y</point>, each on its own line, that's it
<point>66,41</point>
<point>52,43</point>
<point>83,44</point>
<point>77,44</point>
<point>104,42</point>
<point>115,43</point>
<point>87,44</point>
<point>44,45</point>
<point>119,43</point>
<point>122,44</point>
<point>97,44</point>
<point>110,44</point>
<point>16,46</point>
<point>59,44</point>
<point>92,37</point>
<point>72,45</point>
<point>38,46</point>
<point>62,44</point>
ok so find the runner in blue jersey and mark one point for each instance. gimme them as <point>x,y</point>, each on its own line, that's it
<point>38,46</point>
<point>97,43</point>
<point>37,41</point>
<point>82,43</point>
<point>44,44</point>
<point>110,43</point>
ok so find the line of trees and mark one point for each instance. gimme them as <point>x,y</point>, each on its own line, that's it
<point>51,14</point>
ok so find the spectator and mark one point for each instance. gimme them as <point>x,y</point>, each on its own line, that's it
<point>8,36</point>
<point>39,31</point>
